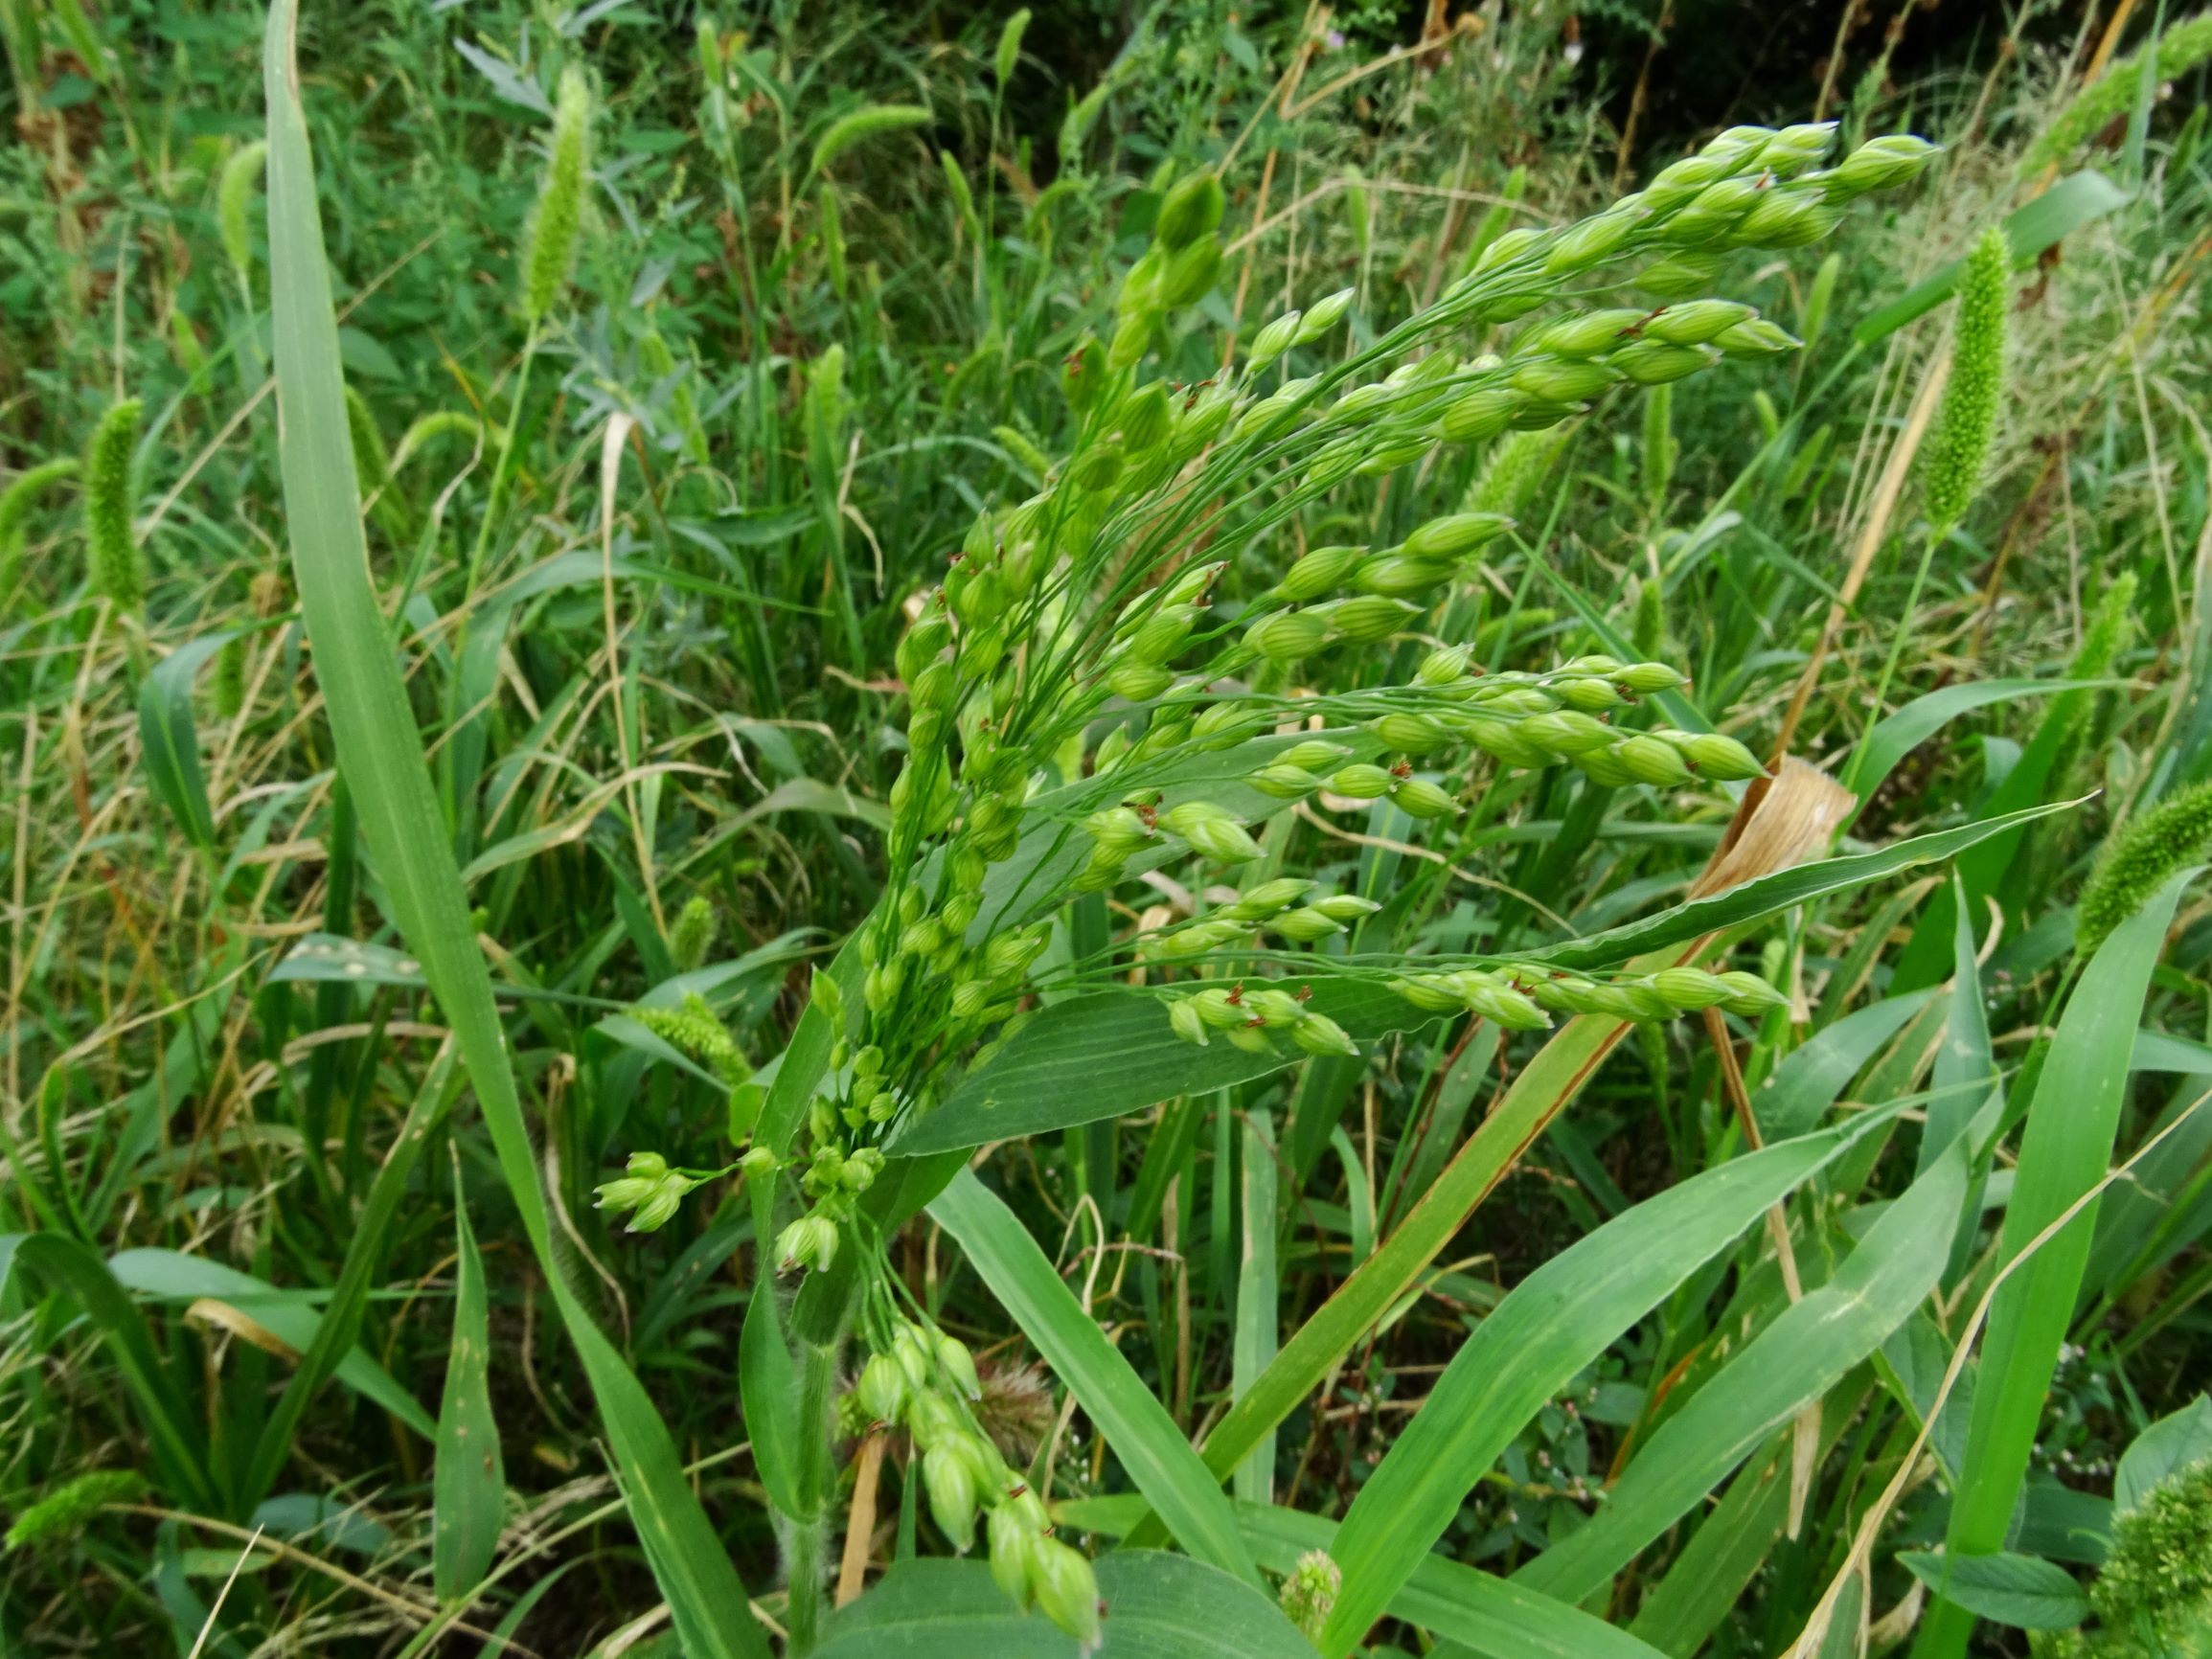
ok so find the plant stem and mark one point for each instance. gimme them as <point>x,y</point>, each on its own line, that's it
<point>810,1532</point>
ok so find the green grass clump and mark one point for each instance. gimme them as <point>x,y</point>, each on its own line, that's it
<point>1031,810</point>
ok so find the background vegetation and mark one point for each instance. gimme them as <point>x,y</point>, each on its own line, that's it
<point>650,531</point>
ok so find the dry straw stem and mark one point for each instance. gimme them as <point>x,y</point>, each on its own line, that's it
<point>1857,1561</point>
<point>414,1611</point>
<point>860,1528</point>
<point>1873,532</point>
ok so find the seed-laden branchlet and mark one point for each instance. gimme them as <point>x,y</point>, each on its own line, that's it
<point>1958,449</point>
<point>2152,1594</point>
<point>2137,860</point>
<point>1113,674</point>
<point>111,544</point>
<point>550,252</point>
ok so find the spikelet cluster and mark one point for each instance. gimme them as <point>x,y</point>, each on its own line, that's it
<point>234,206</point>
<point>1309,1592</point>
<point>2159,1572</point>
<point>2180,50</point>
<point>1958,449</point>
<point>925,1382</point>
<point>111,549</point>
<point>692,935</point>
<point>693,1028</point>
<point>16,504</point>
<point>64,1511</point>
<point>2137,862</point>
<point>551,249</point>
<point>2153,1596</point>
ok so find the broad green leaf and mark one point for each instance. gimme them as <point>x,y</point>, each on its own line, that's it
<point>66,1265</point>
<point>768,1380</point>
<point>2025,1591</point>
<point>2167,1447</point>
<point>1108,1053</point>
<point>1784,890</point>
<point>2063,1153</point>
<point>380,756</point>
<point>1900,734</point>
<point>170,736</point>
<point>1789,1364</point>
<point>1539,1093</point>
<point>331,1348</point>
<point>1548,1327</point>
<point>469,1481</point>
<point>2157,1052</point>
<point>1803,1087</point>
<point>1489,1615</point>
<point>172,1274</point>
<point>2068,206</point>
<point>1158,1606</point>
<point>1144,1437</point>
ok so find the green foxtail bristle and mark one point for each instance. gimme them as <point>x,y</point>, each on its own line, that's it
<point>693,936</point>
<point>234,204</point>
<point>2137,860</point>
<point>2101,102</point>
<point>1960,448</point>
<point>117,574</point>
<point>1516,468</point>
<point>16,504</point>
<point>64,1511</point>
<point>551,250</point>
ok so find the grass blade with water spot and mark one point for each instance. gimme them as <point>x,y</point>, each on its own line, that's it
<point>468,1486</point>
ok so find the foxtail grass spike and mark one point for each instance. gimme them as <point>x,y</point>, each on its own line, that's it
<point>117,574</point>
<point>2098,105</point>
<point>1008,53</point>
<point>16,504</point>
<point>234,206</point>
<point>1959,449</point>
<point>551,250</point>
<point>69,1508</point>
<point>2137,860</point>
<point>693,936</point>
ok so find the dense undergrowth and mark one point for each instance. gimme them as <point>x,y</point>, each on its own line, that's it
<point>1226,835</point>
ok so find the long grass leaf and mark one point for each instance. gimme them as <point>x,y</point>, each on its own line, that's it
<point>2071,1122</point>
<point>1549,1326</point>
<point>1792,1364</point>
<point>469,1483</point>
<point>1144,1437</point>
<point>381,757</point>
<point>69,1267</point>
